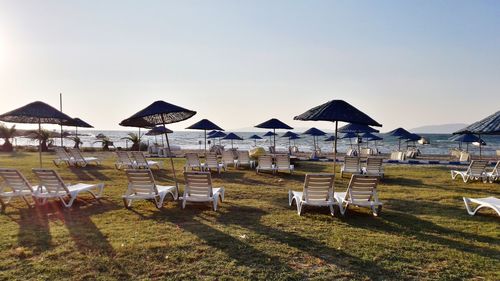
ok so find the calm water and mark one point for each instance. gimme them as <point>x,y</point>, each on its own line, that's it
<point>440,143</point>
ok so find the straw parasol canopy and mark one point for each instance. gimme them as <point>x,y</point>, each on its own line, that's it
<point>36,113</point>
<point>400,133</point>
<point>337,111</point>
<point>289,135</point>
<point>467,138</point>
<point>77,122</point>
<point>487,126</point>
<point>371,137</point>
<point>274,124</point>
<point>205,125</point>
<point>232,136</point>
<point>217,135</point>
<point>160,113</point>
<point>255,138</point>
<point>314,132</point>
<point>157,131</point>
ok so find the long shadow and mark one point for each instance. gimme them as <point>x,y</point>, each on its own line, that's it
<point>89,173</point>
<point>34,232</point>
<point>242,253</point>
<point>399,223</point>
<point>250,218</point>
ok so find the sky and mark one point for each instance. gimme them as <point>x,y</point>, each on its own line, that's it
<point>239,63</point>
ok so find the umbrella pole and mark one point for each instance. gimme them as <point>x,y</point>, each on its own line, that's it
<point>205,141</point>
<point>357,139</point>
<point>467,147</point>
<point>480,150</point>
<point>139,139</point>
<point>60,105</point>
<point>171,160</point>
<point>399,145</point>
<point>40,142</point>
<point>232,144</point>
<point>335,147</point>
<point>274,136</point>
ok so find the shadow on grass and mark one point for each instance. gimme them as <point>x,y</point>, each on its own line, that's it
<point>89,173</point>
<point>399,223</point>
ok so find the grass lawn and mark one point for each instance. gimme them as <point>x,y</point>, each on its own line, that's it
<point>423,232</point>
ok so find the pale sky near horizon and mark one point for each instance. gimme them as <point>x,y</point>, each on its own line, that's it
<point>239,63</point>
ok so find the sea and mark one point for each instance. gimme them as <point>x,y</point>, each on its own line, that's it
<point>439,143</point>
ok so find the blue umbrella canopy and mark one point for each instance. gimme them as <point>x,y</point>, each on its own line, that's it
<point>232,136</point>
<point>348,136</point>
<point>295,137</point>
<point>212,132</point>
<point>468,138</point>
<point>273,123</point>
<point>314,132</point>
<point>399,132</point>
<point>204,124</point>
<point>77,122</point>
<point>337,110</point>
<point>487,126</point>
<point>412,137</point>
<point>289,134</point>
<point>255,137</point>
<point>371,137</point>
<point>158,130</point>
<point>331,138</point>
<point>158,113</point>
<point>217,134</point>
<point>269,134</point>
<point>357,128</point>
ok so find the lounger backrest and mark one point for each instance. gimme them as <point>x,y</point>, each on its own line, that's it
<point>192,160</point>
<point>266,161</point>
<point>464,157</point>
<point>228,157</point>
<point>243,156</point>
<point>495,170</point>
<point>366,152</point>
<point>282,161</point>
<point>351,163</point>
<point>362,188</point>
<point>477,167</point>
<point>272,150</point>
<point>15,180</point>
<point>61,153</point>
<point>198,184</point>
<point>50,180</point>
<point>373,165</point>
<point>211,160</point>
<point>139,158</point>
<point>123,157</point>
<point>141,181</point>
<point>77,154</point>
<point>318,187</point>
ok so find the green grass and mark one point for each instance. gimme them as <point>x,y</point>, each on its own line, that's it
<point>423,233</point>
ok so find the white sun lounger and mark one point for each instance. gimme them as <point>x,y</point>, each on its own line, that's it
<point>52,186</point>
<point>494,175</point>
<point>142,162</point>
<point>124,160</point>
<point>283,163</point>
<point>488,202</point>
<point>142,186</point>
<point>476,171</point>
<point>265,164</point>
<point>193,162</point>
<point>351,166</point>
<point>81,161</point>
<point>212,163</point>
<point>199,189</point>
<point>318,191</point>
<point>244,159</point>
<point>374,167</point>
<point>62,157</point>
<point>14,185</point>
<point>228,159</point>
<point>361,192</point>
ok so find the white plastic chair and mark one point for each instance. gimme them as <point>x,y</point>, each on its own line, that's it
<point>361,192</point>
<point>228,159</point>
<point>124,160</point>
<point>318,191</point>
<point>14,185</point>
<point>193,162</point>
<point>351,165</point>
<point>81,161</point>
<point>265,163</point>
<point>212,163</point>
<point>142,162</point>
<point>62,157</point>
<point>244,159</point>
<point>374,167</point>
<point>475,171</point>
<point>142,186</point>
<point>52,186</point>
<point>488,202</point>
<point>283,163</point>
<point>494,175</point>
<point>199,189</point>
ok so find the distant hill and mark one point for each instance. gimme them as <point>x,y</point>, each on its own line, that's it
<point>296,129</point>
<point>439,129</point>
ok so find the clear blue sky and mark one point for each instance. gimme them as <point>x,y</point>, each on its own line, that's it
<point>238,63</point>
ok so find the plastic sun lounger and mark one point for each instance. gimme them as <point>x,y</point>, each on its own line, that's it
<point>228,159</point>
<point>193,162</point>
<point>124,160</point>
<point>142,162</point>
<point>62,157</point>
<point>17,183</point>
<point>265,163</point>
<point>318,191</point>
<point>81,161</point>
<point>351,166</point>
<point>361,192</point>
<point>488,202</point>
<point>283,163</point>
<point>142,186</point>
<point>374,167</point>
<point>494,175</point>
<point>244,159</point>
<point>212,163</point>
<point>52,186</point>
<point>476,171</point>
<point>199,189</point>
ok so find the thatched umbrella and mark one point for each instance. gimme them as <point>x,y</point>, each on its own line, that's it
<point>205,125</point>
<point>36,113</point>
<point>274,124</point>
<point>314,132</point>
<point>217,135</point>
<point>357,129</point>
<point>160,113</point>
<point>335,111</point>
<point>400,133</point>
<point>159,130</point>
<point>467,138</point>
<point>487,126</point>
<point>232,136</point>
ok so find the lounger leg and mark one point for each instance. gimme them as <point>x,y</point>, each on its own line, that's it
<point>290,197</point>
<point>299,207</point>
<point>376,210</point>
<point>332,211</point>
<point>3,205</point>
